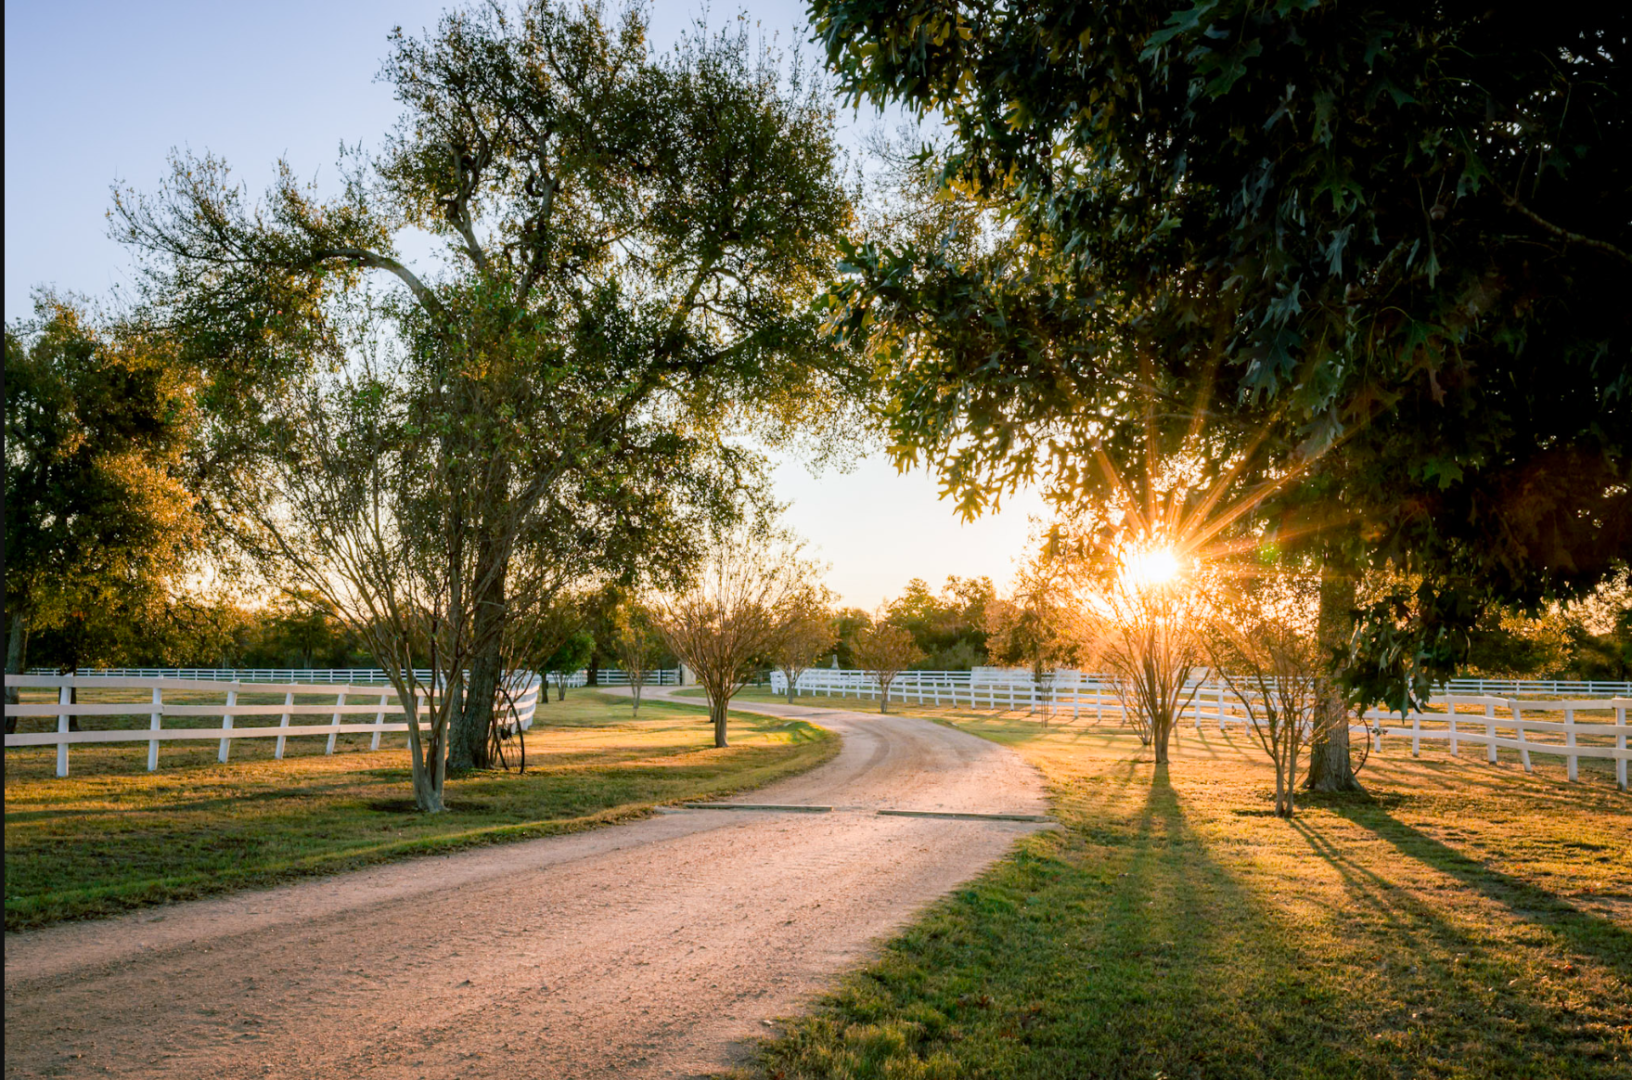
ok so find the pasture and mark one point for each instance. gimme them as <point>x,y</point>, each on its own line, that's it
<point>1457,920</point>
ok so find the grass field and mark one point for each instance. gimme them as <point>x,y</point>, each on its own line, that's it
<point>1546,764</point>
<point>1459,920</point>
<point>112,836</point>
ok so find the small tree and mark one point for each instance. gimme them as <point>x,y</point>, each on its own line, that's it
<point>1034,626</point>
<point>637,645</point>
<point>886,650</point>
<point>361,519</point>
<point>1271,661</point>
<point>1145,628</point>
<point>848,623</point>
<point>807,634</point>
<point>734,614</point>
<point>568,659</point>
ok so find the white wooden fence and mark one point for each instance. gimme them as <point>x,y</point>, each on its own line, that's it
<point>351,700</point>
<point>1534,687</point>
<point>1528,725</point>
<point>618,677</point>
<point>350,676</point>
<point>990,688</point>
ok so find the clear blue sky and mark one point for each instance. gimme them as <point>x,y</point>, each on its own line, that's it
<point>98,93</point>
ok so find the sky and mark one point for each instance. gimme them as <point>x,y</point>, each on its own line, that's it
<point>97,94</point>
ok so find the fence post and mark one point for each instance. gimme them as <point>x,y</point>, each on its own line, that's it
<point>1620,744</point>
<point>379,723</point>
<point>288,703</point>
<point>1490,732</point>
<point>1220,710</point>
<point>339,700</point>
<point>226,724</point>
<point>63,695</point>
<point>1518,722</point>
<point>1569,741</point>
<point>155,722</point>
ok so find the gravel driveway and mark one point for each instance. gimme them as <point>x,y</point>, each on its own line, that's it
<point>653,949</point>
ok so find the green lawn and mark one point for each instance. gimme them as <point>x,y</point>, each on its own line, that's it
<point>112,836</point>
<point>1460,920</point>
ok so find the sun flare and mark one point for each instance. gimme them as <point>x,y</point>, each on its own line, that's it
<point>1151,567</point>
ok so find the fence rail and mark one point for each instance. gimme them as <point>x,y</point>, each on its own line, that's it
<point>618,677</point>
<point>350,676</point>
<point>524,688</point>
<point>1522,724</point>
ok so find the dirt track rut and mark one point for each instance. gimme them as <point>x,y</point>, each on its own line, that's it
<point>654,949</point>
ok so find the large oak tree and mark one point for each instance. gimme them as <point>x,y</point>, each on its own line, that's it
<point>629,244</point>
<point>1381,243</point>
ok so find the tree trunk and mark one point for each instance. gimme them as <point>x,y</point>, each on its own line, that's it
<point>791,676</point>
<point>429,775</point>
<point>884,695</point>
<point>73,696</point>
<point>716,709</point>
<point>1159,736</point>
<point>16,647</point>
<point>472,725</point>
<point>481,689</point>
<point>1329,768</point>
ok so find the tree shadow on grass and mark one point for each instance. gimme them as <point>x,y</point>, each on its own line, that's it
<point>1121,948</point>
<point>1463,994</point>
<point>1587,934</point>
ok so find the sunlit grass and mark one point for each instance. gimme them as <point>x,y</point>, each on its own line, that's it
<point>112,836</point>
<point>1459,920</point>
<point>1547,765</point>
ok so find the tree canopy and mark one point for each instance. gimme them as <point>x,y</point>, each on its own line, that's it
<point>100,524</point>
<point>630,247</point>
<point>1379,242</point>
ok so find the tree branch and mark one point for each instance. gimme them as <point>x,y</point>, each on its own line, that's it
<point>1512,203</point>
<point>364,257</point>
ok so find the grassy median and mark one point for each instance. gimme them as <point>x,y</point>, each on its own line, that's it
<point>1459,920</point>
<point>112,836</point>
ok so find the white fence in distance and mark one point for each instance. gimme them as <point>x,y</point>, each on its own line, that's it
<point>364,700</point>
<point>350,676</point>
<point>618,677</point>
<point>1496,722</point>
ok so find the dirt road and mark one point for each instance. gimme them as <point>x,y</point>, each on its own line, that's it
<point>653,949</point>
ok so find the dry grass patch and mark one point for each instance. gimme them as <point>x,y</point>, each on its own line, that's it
<point>112,836</point>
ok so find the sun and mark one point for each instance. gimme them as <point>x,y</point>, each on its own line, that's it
<point>1150,567</point>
